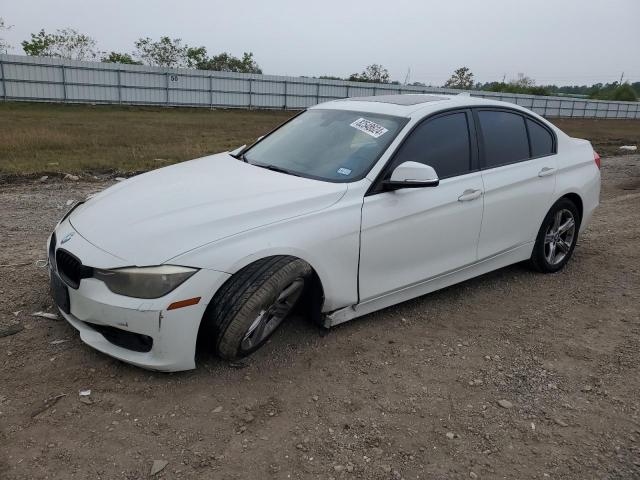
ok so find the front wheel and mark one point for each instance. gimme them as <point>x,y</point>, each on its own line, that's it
<point>556,238</point>
<point>254,302</point>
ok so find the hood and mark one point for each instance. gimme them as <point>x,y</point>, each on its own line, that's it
<point>154,217</point>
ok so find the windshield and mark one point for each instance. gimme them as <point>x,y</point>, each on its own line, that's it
<point>331,145</point>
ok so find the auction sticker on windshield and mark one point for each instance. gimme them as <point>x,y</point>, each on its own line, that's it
<point>369,127</point>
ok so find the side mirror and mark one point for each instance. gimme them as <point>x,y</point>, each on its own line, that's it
<point>411,175</point>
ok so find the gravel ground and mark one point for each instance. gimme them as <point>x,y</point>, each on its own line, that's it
<point>511,375</point>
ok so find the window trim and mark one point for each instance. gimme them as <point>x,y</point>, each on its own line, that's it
<point>525,116</point>
<point>474,152</point>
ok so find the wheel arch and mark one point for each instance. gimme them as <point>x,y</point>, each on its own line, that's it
<point>577,201</point>
<point>319,276</point>
<point>314,295</point>
<point>311,302</point>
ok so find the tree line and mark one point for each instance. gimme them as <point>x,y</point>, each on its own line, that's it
<point>462,78</point>
<point>173,53</point>
<point>164,52</point>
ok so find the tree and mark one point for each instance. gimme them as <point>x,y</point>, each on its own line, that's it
<point>41,45</point>
<point>197,57</point>
<point>523,81</point>
<point>374,73</point>
<point>116,57</point>
<point>224,62</point>
<point>512,87</point>
<point>624,93</point>
<point>4,46</point>
<point>166,52</point>
<point>65,43</point>
<point>614,91</point>
<point>462,78</point>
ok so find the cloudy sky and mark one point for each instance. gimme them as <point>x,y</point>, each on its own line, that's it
<point>552,41</point>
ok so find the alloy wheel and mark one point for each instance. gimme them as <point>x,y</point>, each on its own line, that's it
<point>268,319</point>
<point>559,237</point>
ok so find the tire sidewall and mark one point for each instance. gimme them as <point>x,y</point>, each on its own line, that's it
<point>229,341</point>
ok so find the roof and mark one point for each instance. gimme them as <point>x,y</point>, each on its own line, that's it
<point>406,105</point>
<point>409,99</point>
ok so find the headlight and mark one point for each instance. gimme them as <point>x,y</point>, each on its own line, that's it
<point>145,282</point>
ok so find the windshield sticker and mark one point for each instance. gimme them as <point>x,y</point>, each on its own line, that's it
<point>369,127</point>
<point>344,171</point>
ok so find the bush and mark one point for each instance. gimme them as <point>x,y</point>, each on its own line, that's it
<point>621,93</point>
<point>514,88</point>
<point>625,93</point>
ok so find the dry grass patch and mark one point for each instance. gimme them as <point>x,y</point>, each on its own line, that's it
<point>36,138</point>
<point>607,136</point>
<point>48,138</point>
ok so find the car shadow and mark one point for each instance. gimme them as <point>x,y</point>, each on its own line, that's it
<point>299,331</point>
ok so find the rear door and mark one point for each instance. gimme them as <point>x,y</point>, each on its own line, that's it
<point>413,234</point>
<point>518,162</point>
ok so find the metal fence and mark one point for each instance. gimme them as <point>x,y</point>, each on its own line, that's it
<point>45,79</point>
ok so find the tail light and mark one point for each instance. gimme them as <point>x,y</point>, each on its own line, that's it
<point>596,158</point>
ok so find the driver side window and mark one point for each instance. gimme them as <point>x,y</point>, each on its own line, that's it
<point>443,143</point>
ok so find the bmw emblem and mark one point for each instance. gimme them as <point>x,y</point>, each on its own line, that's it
<point>66,238</point>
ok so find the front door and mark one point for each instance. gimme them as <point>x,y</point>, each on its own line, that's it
<point>413,234</point>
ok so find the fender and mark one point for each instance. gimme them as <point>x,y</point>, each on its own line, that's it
<point>328,240</point>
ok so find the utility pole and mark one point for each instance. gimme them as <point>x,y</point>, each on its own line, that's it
<point>407,76</point>
<point>621,77</point>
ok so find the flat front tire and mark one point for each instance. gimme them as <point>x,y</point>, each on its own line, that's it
<point>556,238</point>
<point>254,302</point>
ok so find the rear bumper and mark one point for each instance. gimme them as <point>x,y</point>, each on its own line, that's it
<point>590,200</point>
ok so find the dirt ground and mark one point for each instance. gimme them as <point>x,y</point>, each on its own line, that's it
<point>606,136</point>
<point>409,392</point>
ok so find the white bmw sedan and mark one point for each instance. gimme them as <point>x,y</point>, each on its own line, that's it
<point>347,208</point>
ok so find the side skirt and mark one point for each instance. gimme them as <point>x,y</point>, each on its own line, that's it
<point>515,255</point>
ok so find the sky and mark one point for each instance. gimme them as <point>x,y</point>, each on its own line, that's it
<point>551,41</point>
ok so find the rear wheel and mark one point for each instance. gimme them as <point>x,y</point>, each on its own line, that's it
<point>556,238</point>
<point>254,302</point>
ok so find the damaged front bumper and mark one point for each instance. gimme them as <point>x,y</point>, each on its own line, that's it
<point>142,332</point>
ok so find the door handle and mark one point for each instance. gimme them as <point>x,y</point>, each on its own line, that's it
<point>546,171</point>
<point>469,195</point>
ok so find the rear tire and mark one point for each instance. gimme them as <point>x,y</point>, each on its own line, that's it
<point>556,238</point>
<point>254,302</point>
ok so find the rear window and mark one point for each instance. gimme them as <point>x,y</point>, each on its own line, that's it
<point>541,139</point>
<point>504,136</point>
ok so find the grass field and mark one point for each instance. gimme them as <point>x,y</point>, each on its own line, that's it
<point>51,138</point>
<point>45,138</point>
